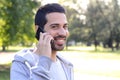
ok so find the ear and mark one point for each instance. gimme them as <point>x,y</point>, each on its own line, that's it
<point>36,27</point>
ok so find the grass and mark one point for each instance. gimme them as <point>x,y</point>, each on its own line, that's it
<point>89,64</point>
<point>102,64</point>
<point>13,48</point>
<point>4,72</point>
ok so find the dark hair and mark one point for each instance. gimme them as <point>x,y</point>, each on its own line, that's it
<point>40,17</point>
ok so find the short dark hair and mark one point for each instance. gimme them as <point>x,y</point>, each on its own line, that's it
<point>40,17</point>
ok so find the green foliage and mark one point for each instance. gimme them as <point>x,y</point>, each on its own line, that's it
<point>95,19</point>
<point>101,22</point>
<point>103,19</point>
<point>75,24</point>
<point>18,18</point>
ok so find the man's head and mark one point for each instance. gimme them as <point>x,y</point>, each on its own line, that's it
<point>52,19</point>
<point>40,17</point>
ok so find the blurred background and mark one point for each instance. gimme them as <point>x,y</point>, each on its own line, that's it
<point>93,45</point>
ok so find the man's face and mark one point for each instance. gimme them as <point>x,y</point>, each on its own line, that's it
<point>58,28</point>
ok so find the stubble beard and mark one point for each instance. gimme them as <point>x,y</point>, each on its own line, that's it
<point>54,48</point>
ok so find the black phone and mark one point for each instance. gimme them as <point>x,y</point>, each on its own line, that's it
<point>38,32</point>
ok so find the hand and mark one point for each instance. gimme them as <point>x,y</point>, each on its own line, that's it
<point>44,46</point>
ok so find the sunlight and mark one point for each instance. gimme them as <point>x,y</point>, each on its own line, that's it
<point>83,3</point>
<point>43,2</point>
<point>6,58</point>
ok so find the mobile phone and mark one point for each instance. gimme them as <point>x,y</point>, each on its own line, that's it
<point>38,32</point>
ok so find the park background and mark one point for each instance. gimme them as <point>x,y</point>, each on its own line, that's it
<point>93,44</point>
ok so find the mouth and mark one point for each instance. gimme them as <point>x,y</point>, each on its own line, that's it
<point>60,40</point>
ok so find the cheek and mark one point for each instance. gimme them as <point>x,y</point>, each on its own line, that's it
<point>52,33</point>
<point>67,33</point>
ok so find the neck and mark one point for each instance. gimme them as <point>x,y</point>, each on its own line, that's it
<point>53,56</point>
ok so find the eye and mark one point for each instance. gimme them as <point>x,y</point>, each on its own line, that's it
<point>65,26</point>
<point>54,26</point>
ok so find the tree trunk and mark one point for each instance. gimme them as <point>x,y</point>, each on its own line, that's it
<point>3,48</point>
<point>117,46</point>
<point>95,42</point>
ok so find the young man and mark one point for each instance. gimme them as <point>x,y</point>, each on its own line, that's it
<point>44,63</point>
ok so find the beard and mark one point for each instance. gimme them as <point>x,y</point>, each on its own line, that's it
<point>58,47</point>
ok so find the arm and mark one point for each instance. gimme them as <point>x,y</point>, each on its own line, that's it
<point>20,71</point>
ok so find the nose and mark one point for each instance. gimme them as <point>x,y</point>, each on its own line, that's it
<point>62,32</point>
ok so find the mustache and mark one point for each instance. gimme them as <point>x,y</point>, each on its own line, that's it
<point>59,36</point>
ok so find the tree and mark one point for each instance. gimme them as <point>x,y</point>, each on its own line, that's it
<point>95,20</point>
<point>75,15</point>
<point>112,15</point>
<point>103,19</point>
<point>73,24</point>
<point>18,18</point>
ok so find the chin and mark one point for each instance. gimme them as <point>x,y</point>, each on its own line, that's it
<point>60,49</point>
<point>57,48</point>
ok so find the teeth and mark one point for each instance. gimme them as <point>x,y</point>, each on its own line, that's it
<point>60,40</point>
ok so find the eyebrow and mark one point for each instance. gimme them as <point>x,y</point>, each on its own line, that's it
<point>58,24</point>
<point>54,24</point>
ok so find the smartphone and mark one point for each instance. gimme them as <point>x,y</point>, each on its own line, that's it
<point>38,32</point>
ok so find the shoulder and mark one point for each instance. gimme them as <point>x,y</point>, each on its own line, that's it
<point>64,60</point>
<point>25,55</point>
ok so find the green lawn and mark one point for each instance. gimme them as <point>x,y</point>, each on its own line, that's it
<point>4,72</point>
<point>89,64</point>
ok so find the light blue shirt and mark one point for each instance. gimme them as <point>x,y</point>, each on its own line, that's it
<point>57,72</point>
<point>28,66</point>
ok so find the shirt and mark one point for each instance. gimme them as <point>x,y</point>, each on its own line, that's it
<point>27,66</point>
<point>57,72</point>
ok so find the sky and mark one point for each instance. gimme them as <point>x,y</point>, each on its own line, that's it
<point>83,3</point>
<point>49,1</point>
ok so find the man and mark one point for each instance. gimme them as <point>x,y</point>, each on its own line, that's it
<point>44,63</point>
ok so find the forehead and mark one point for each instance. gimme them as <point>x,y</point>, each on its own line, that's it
<point>56,17</point>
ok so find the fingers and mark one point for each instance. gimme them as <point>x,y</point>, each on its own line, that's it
<point>48,39</point>
<point>40,37</point>
<point>44,46</point>
<point>45,38</point>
